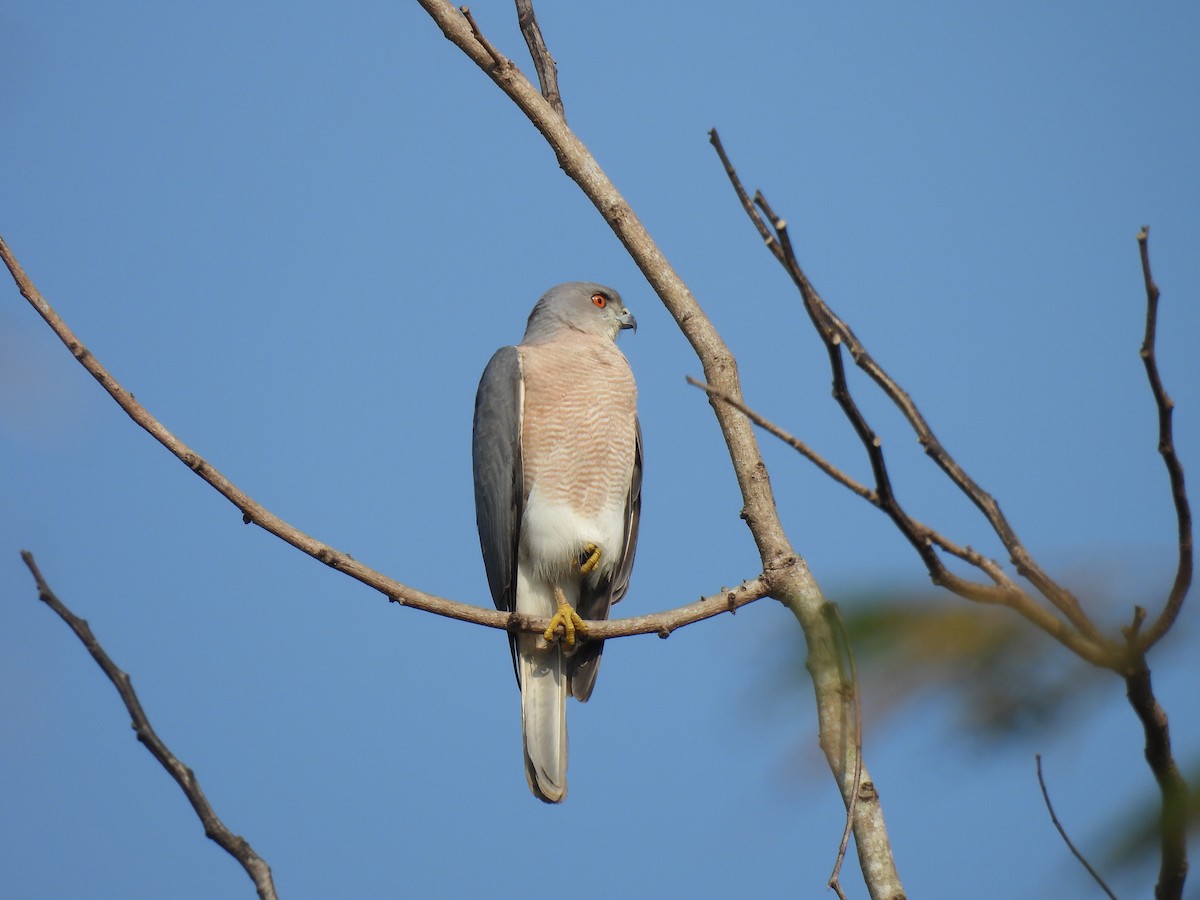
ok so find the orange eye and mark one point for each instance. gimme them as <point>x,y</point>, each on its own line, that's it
<point>600,300</point>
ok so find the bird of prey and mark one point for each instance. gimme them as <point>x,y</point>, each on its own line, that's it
<point>557,458</point>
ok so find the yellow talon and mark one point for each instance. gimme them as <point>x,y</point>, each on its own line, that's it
<point>567,619</point>
<point>589,559</point>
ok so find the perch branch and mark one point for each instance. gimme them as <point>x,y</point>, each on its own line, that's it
<point>252,512</point>
<point>1166,447</point>
<point>790,581</point>
<point>235,845</point>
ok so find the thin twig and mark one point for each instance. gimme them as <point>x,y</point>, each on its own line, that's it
<point>1166,447</point>
<point>836,334</point>
<point>790,580</point>
<point>252,512</point>
<point>498,58</point>
<point>1004,593</point>
<point>988,566</point>
<point>235,845</point>
<point>1063,832</point>
<point>792,441</point>
<point>543,62</point>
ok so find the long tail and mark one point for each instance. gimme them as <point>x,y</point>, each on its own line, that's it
<point>544,718</point>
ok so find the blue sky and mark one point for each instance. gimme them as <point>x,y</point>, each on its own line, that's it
<point>297,232</point>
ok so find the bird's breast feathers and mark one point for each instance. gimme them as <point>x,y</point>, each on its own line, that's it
<point>578,439</point>
<point>553,536</point>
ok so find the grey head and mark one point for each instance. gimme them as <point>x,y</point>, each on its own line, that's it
<point>578,306</point>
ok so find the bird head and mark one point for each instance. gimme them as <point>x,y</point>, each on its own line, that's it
<point>580,306</point>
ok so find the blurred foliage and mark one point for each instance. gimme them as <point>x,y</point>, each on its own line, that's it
<point>1007,679</point>
<point>1137,838</point>
<point>1010,684</point>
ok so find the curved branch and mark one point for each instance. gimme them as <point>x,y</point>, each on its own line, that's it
<point>1062,832</point>
<point>835,333</point>
<point>1173,818</point>
<point>1166,447</point>
<point>252,512</point>
<point>788,576</point>
<point>973,557</point>
<point>1004,592</point>
<point>1081,635</point>
<point>235,845</point>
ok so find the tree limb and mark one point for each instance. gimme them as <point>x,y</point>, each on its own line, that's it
<point>855,711</point>
<point>1078,633</point>
<point>1173,861</point>
<point>1004,592</point>
<point>836,333</point>
<point>1082,635</point>
<point>988,566</point>
<point>662,624</point>
<point>787,574</point>
<point>235,845</point>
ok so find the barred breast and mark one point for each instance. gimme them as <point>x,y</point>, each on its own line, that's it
<point>579,424</point>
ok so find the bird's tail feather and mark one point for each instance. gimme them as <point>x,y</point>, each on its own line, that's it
<point>544,718</point>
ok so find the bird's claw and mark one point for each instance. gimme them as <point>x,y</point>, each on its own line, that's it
<point>589,558</point>
<point>567,619</point>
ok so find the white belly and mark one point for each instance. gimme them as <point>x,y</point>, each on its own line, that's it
<point>554,535</point>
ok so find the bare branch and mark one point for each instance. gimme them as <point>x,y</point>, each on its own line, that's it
<point>252,512</point>
<point>1082,635</point>
<point>498,58</point>
<point>543,62</point>
<point>1004,593</point>
<point>1063,833</point>
<point>790,581</point>
<point>836,334</point>
<point>855,709</point>
<point>1173,861</point>
<point>235,845</point>
<point>989,567</point>
<point>795,443</point>
<point>1166,447</point>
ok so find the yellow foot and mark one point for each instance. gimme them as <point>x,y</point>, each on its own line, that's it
<point>567,619</point>
<point>589,558</point>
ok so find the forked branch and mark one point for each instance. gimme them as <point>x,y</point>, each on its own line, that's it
<point>788,576</point>
<point>1077,632</point>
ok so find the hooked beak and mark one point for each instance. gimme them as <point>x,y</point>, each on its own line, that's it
<point>627,320</point>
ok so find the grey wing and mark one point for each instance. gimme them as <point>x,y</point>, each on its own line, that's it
<point>496,463</point>
<point>633,515</point>
<point>595,604</point>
